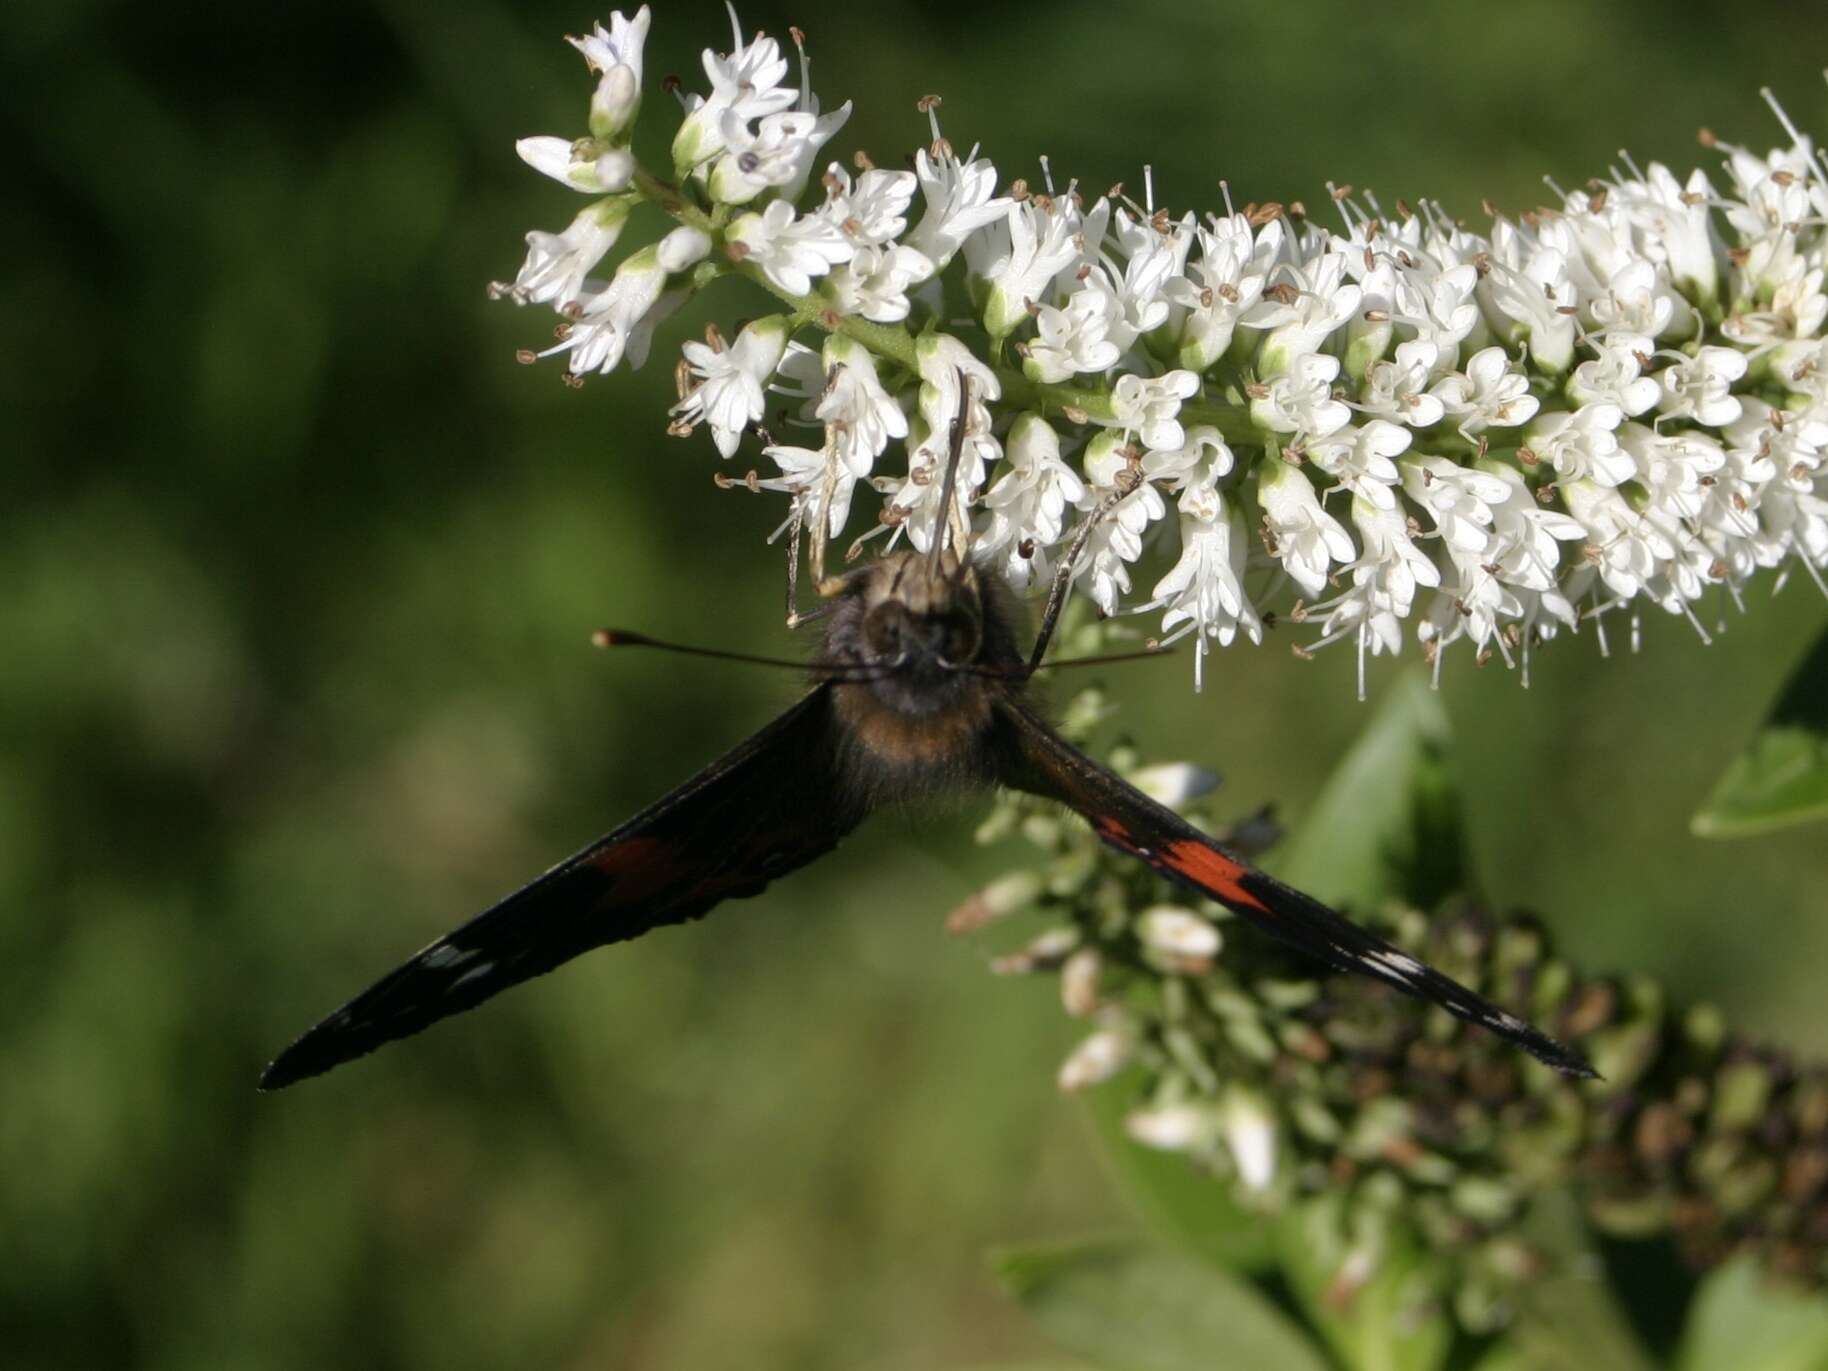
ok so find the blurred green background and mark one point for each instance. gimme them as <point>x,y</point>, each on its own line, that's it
<point>296,573</point>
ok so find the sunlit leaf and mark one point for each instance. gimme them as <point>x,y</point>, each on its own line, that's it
<point>1133,1307</point>
<point>1782,776</point>
<point>1741,1321</point>
<point>1387,825</point>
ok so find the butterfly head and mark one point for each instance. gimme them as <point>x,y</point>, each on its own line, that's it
<point>930,640</point>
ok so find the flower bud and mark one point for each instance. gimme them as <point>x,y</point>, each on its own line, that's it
<point>1002,897</point>
<point>1178,932</point>
<point>1174,783</point>
<point>1079,979</point>
<point>1171,1127</point>
<point>1096,1059</point>
<point>616,102</point>
<point>683,247</point>
<point>1043,954</point>
<point>585,165</point>
<point>1250,1134</point>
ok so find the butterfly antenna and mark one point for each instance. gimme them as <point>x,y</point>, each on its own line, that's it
<point>1127,481</point>
<point>621,637</point>
<point>954,453</point>
<point>1023,672</point>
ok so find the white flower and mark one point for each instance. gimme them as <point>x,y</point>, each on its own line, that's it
<point>640,335</point>
<point>1525,532</point>
<point>1359,459</point>
<point>1233,267</point>
<point>1398,565</point>
<point>746,84</point>
<point>1635,300</point>
<point>1675,468</point>
<point>584,165</point>
<point>940,357</point>
<point>1398,390</point>
<point>1070,341</point>
<point>1300,400</point>
<point>874,284</point>
<point>1305,538</point>
<point>1201,459</point>
<point>1674,225</point>
<point>1028,503</point>
<point>1530,289</point>
<point>1303,308</point>
<point>1440,307</point>
<point>730,392</point>
<point>1797,309</point>
<point>1700,387</point>
<point>873,210</point>
<point>600,334</point>
<point>960,200</point>
<point>1489,395</point>
<point>1372,610</point>
<point>1459,499</point>
<point>1034,245</point>
<point>1117,540</point>
<point>1616,376</point>
<point>820,482</point>
<point>916,500</point>
<point>615,53</point>
<point>1151,260</point>
<point>1151,406</point>
<point>557,263</point>
<point>790,251</point>
<point>861,415</point>
<point>777,154</point>
<point>1581,445</point>
<point>1625,547</point>
<point>1204,593</point>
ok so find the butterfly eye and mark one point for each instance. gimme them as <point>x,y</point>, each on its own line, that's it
<point>886,629</point>
<point>959,638</point>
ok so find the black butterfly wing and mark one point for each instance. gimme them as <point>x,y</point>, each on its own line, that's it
<point>764,809</point>
<point>1033,758</point>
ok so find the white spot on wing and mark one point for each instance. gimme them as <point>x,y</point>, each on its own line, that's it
<point>480,969</point>
<point>1391,963</point>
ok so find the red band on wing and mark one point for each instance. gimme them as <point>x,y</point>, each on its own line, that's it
<point>1206,867</point>
<point>640,867</point>
<point>1212,870</point>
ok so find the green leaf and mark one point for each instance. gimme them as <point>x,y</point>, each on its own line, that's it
<point>1740,1321</point>
<point>1395,1319</point>
<point>1782,776</point>
<point>1175,1199</point>
<point>1129,1306</point>
<point>1387,825</point>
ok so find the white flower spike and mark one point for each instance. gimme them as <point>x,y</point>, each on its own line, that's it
<point>1412,427</point>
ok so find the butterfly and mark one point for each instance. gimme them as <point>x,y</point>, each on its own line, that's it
<point>919,689</point>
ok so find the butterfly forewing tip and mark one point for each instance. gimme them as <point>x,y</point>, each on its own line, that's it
<point>1556,1055</point>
